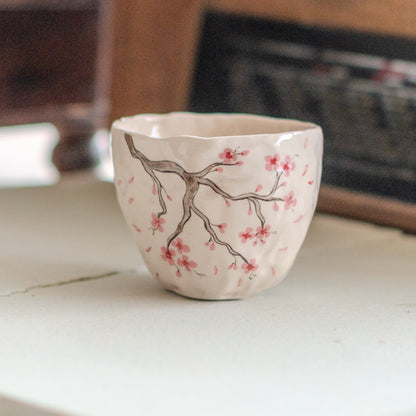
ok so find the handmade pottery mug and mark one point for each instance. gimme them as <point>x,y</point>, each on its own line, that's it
<point>218,204</point>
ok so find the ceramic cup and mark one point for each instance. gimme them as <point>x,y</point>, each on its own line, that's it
<point>218,204</point>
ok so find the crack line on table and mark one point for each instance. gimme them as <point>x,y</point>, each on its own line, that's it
<point>65,282</point>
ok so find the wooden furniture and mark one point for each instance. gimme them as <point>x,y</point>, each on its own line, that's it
<point>155,41</point>
<point>155,47</point>
<point>54,68</point>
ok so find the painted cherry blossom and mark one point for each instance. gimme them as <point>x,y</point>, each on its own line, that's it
<point>210,244</point>
<point>287,166</point>
<point>232,266</point>
<point>180,246</point>
<point>187,263</point>
<point>251,267</point>
<point>157,222</point>
<point>290,200</point>
<point>228,155</point>
<point>222,227</point>
<point>168,255</point>
<point>272,162</point>
<point>263,232</point>
<point>246,235</point>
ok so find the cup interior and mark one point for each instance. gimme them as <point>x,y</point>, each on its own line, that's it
<point>160,126</point>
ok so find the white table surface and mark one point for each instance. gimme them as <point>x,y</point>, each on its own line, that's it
<point>86,331</point>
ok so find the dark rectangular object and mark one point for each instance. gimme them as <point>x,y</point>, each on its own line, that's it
<point>361,88</point>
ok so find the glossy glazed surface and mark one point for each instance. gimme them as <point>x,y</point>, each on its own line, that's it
<point>219,205</point>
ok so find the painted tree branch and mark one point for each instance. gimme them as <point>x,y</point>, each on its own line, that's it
<point>192,181</point>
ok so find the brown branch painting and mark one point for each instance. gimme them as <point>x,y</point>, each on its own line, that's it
<point>193,182</point>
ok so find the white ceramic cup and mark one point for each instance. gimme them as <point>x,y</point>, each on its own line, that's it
<point>218,204</point>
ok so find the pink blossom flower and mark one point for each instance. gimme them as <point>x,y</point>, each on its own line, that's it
<point>287,165</point>
<point>157,222</point>
<point>290,200</point>
<point>228,156</point>
<point>168,255</point>
<point>275,207</point>
<point>180,246</point>
<point>212,247</point>
<point>245,152</point>
<point>259,188</point>
<point>250,267</point>
<point>222,227</point>
<point>272,161</point>
<point>220,169</point>
<point>232,266</point>
<point>185,262</point>
<point>246,235</point>
<point>262,233</point>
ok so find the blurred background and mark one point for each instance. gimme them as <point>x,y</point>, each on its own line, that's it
<point>68,68</point>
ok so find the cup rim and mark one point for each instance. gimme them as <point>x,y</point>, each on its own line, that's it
<point>299,127</point>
